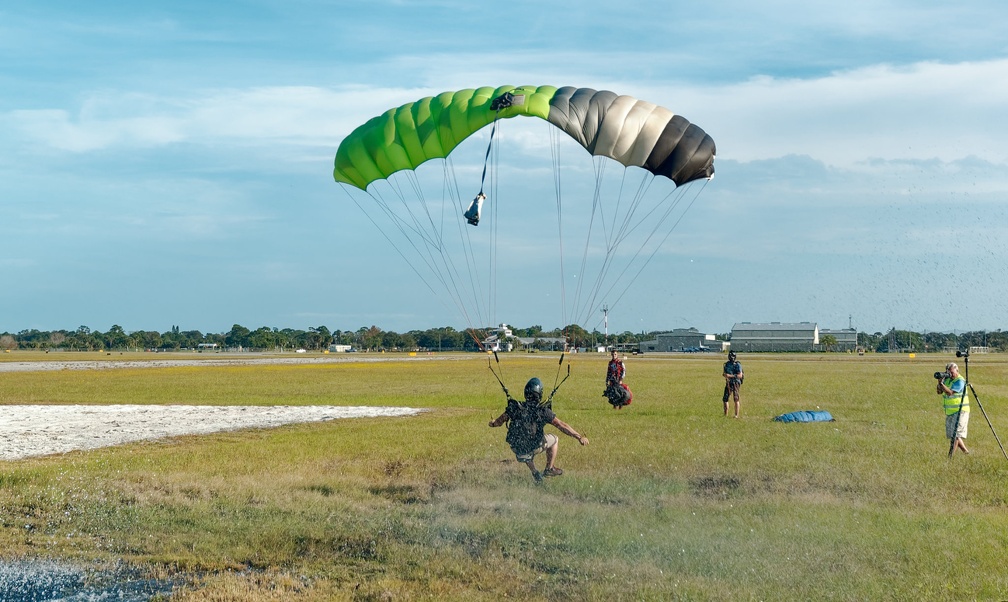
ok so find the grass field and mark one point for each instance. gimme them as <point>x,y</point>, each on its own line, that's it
<point>670,501</point>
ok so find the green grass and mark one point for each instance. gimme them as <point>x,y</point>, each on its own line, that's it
<point>671,500</point>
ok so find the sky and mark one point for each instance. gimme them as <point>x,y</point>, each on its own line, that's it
<point>170,163</point>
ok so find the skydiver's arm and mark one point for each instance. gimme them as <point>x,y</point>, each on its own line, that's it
<point>567,430</point>
<point>498,421</point>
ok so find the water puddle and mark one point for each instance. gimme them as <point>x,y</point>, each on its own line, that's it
<point>58,581</point>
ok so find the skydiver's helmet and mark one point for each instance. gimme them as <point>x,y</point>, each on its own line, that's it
<point>731,356</point>
<point>533,390</point>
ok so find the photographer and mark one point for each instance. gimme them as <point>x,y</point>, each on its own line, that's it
<point>952,388</point>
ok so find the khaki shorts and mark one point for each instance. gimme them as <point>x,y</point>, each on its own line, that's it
<point>950,425</point>
<point>549,440</point>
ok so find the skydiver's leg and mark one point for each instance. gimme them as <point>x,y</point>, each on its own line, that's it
<point>551,452</point>
<point>535,473</point>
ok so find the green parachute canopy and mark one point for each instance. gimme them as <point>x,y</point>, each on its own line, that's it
<point>631,131</point>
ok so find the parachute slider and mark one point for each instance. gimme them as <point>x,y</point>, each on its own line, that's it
<point>472,214</point>
<point>506,100</point>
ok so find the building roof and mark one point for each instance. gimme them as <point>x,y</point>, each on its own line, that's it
<point>764,326</point>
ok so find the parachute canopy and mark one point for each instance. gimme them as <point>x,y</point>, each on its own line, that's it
<point>631,131</point>
<point>805,416</point>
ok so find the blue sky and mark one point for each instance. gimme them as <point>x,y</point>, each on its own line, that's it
<point>171,163</point>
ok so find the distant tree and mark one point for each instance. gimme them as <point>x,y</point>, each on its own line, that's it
<point>531,331</point>
<point>263,338</point>
<point>238,336</point>
<point>8,342</point>
<point>31,339</point>
<point>370,337</point>
<point>828,341</point>
<point>577,336</point>
<point>147,339</point>
<point>451,338</point>
<point>409,342</point>
<point>116,338</point>
<point>189,339</point>
<point>319,337</point>
<point>56,339</point>
<point>391,340</point>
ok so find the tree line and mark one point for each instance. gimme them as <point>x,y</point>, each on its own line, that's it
<point>446,338</point>
<point>317,338</point>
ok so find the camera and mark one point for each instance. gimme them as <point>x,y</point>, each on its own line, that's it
<point>942,375</point>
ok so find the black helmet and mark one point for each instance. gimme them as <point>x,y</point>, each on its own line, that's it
<point>533,390</point>
<point>731,355</point>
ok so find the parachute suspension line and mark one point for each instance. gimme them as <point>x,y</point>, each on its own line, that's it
<point>435,254</point>
<point>621,228</point>
<point>556,385</point>
<point>450,186</point>
<point>390,241</point>
<point>427,243</point>
<point>662,242</point>
<point>499,376</point>
<point>492,253</point>
<point>599,168</point>
<point>558,193</point>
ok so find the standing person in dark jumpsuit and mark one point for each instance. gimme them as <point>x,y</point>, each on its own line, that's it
<point>733,376</point>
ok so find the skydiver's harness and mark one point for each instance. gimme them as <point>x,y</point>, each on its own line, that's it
<point>524,427</point>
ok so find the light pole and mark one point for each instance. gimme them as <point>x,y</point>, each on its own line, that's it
<point>605,310</point>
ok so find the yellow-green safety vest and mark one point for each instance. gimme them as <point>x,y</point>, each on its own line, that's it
<point>952,401</point>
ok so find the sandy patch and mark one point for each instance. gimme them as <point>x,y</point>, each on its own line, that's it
<point>40,430</point>
<point>28,431</point>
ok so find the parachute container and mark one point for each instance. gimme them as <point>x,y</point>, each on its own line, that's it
<point>475,209</point>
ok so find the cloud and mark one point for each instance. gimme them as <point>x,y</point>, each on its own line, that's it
<point>920,111</point>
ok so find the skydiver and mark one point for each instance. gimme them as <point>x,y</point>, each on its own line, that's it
<point>616,392</point>
<point>525,422</point>
<point>733,376</point>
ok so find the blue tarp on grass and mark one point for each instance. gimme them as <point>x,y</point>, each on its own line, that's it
<point>805,416</point>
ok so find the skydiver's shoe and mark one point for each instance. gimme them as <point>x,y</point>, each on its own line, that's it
<point>537,476</point>
<point>552,472</point>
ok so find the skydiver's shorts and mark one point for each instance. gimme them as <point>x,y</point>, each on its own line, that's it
<point>549,440</point>
<point>950,425</point>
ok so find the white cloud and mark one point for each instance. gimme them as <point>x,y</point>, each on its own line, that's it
<point>922,111</point>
